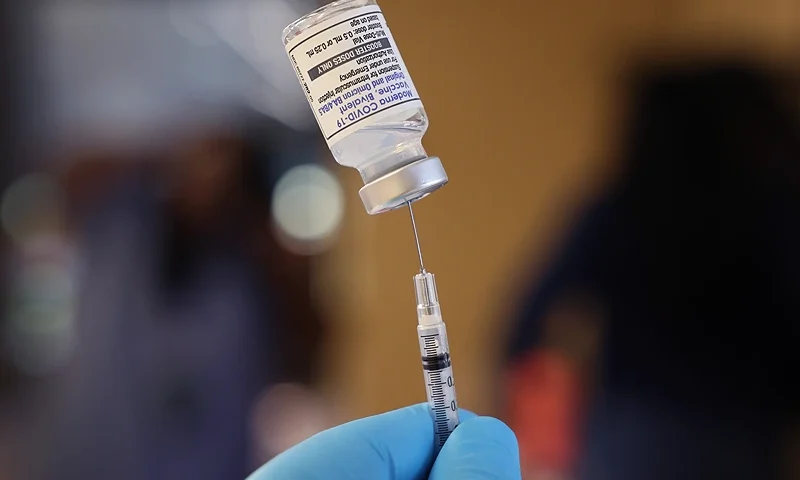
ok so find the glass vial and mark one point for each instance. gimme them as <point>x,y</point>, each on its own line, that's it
<point>364,100</point>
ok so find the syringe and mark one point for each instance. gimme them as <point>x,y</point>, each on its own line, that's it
<point>433,346</point>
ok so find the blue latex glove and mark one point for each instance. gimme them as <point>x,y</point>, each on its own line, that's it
<point>399,446</point>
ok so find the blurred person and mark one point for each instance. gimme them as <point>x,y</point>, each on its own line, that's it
<point>188,310</point>
<point>662,341</point>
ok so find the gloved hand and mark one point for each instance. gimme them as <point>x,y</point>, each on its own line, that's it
<point>399,446</point>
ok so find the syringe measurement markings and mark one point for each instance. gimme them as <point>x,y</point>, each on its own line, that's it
<point>438,396</point>
<point>436,363</point>
<point>441,421</point>
<point>441,418</point>
<point>430,344</point>
<point>440,425</point>
<point>439,403</point>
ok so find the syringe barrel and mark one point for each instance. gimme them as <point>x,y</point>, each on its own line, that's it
<point>440,385</point>
<point>436,365</point>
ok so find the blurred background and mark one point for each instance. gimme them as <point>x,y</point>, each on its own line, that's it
<point>188,275</point>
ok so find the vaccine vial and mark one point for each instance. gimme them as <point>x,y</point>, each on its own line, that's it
<point>364,100</point>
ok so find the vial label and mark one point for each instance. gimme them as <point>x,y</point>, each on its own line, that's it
<point>351,72</point>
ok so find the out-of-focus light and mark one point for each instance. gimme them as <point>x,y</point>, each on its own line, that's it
<point>286,415</point>
<point>40,332</point>
<point>307,208</point>
<point>30,204</point>
<point>250,28</point>
<point>42,339</point>
<point>110,75</point>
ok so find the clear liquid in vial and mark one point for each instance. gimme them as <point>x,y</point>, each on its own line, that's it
<point>381,147</point>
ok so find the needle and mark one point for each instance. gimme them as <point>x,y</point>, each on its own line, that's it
<point>416,238</point>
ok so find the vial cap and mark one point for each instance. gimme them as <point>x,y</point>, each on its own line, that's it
<point>406,184</point>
